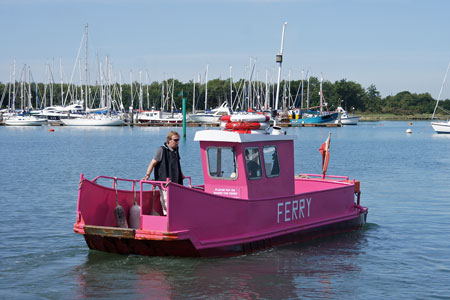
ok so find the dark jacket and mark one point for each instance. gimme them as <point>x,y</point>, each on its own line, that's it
<point>169,166</point>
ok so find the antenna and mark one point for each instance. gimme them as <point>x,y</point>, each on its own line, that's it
<point>279,60</point>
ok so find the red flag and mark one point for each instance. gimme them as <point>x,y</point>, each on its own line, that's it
<point>325,151</point>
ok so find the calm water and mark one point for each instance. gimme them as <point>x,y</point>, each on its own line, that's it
<point>402,253</point>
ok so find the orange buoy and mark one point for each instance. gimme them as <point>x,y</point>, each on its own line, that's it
<point>51,130</point>
<point>410,123</point>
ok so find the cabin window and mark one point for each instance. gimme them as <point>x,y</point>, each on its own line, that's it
<point>222,163</point>
<point>271,163</point>
<point>253,163</point>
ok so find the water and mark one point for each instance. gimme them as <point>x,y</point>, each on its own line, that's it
<point>402,253</point>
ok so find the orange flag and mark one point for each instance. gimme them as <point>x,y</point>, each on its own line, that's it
<point>325,151</point>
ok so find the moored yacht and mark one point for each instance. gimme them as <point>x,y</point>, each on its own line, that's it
<point>24,120</point>
<point>212,117</point>
<point>345,119</point>
<point>159,117</point>
<point>94,120</point>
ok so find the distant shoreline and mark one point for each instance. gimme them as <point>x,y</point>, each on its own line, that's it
<point>367,117</point>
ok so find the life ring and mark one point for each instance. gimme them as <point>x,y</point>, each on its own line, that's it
<point>246,125</point>
<point>245,118</point>
<point>225,118</point>
<point>249,131</point>
<point>249,118</point>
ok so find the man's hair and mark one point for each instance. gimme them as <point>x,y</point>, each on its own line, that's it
<point>170,136</point>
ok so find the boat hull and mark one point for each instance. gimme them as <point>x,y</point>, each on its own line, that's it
<point>115,243</point>
<point>25,122</point>
<point>328,118</point>
<point>350,121</point>
<point>205,118</point>
<point>441,127</point>
<point>204,224</point>
<point>92,122</point>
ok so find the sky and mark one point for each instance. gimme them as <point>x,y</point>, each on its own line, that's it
<point>396,45</point>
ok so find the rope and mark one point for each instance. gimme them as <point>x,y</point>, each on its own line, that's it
<point>167,184</point>
<point>80,184</point>
<point>444,110</point>
<point>115,187</point>
<point>424,129</point>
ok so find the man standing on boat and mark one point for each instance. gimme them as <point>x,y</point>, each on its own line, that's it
<point>166,161</point>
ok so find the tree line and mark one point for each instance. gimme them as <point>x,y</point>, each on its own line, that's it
<point>242,94</point>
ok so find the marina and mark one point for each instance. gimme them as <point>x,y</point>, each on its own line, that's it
<point>41,255</point>
<point>194,124</point>
<point>159,150</point>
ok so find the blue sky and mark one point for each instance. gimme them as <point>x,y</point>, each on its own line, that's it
<point>396,45</point>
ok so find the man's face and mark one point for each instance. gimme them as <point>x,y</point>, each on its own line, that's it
<point>173,143</point>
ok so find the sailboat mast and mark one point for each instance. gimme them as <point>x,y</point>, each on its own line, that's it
<point>141,92</point>
<point>81,81</point>
<point>131,88</point>
<point>30,105</point>
<point>22,104</point>
<point>231,89</point>
<point>440,92</point>
<point>307,91</point>
<point>279,60</point>
<point>147,79</point>
<point>9,92</point>
<point>121,91</point>
<point>206,88</point>
<point>86,89</point>
<point>193,95</point>
<point>301,104</point>
<point>62,82</point>
<point>249,87</point>
<point>321,94</point>
<point>266,98</point>
<point>173,101</point>
<point>12,108</point>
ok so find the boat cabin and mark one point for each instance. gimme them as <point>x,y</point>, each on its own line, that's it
<point>247,166</point>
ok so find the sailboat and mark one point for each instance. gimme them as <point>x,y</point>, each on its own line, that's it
<point>441,127</point>
<point>95,119</point>
<point>24,118</point>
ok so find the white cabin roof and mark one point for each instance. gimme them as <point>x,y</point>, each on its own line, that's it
<point>230,136</point>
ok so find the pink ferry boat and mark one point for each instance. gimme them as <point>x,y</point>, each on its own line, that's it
<point>250,200</point>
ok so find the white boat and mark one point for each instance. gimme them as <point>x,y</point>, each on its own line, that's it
<point>441,127</point>
<point>24,121</point>
<point>213,117</point>
<point>345,119</point>
<point>55,113</point>
<point>157,116</point>
<point>94,120</point>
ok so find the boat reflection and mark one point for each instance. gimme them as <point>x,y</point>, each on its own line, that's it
<point>313,270</point>
<point>441,136</point>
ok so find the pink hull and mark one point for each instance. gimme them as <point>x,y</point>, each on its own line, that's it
<point>199,223</point>
<point>185,248</point>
